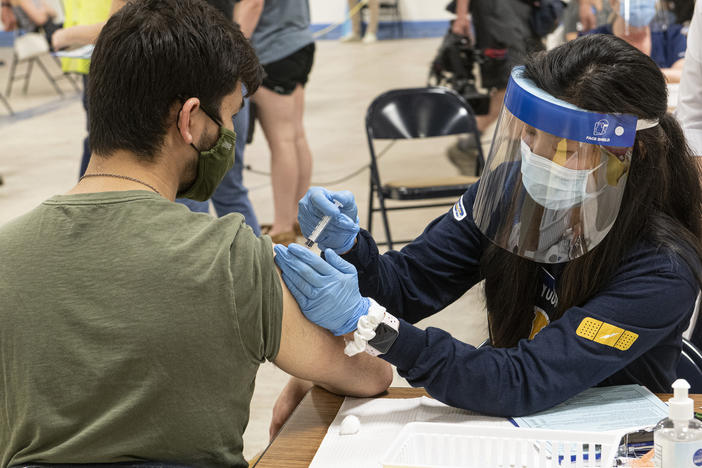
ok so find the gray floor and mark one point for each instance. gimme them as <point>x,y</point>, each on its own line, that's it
<point>40,153</point>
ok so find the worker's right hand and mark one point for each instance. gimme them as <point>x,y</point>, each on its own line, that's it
<point>326,291</point>
<point>340,234</point>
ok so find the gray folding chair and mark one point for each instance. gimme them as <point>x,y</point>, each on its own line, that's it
<point>29,48</point>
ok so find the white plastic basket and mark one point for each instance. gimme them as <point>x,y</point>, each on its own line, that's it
<point>439,445</point>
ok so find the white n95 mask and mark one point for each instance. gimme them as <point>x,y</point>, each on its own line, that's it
<point>551,185</point>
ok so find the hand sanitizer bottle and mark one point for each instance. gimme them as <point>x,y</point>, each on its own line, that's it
<point>677,439</point>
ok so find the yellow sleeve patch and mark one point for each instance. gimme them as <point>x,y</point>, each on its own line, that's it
<point>606,334</point>
<point>588,328</point>
<point>626,340</point>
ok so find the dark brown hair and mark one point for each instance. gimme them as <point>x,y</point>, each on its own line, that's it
<point>151,53</point>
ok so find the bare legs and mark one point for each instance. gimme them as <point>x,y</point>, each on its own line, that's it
<point>291,160</point>
<point>484,121</point>
<point>374,15</point>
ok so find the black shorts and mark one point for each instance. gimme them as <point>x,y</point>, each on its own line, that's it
<point>502,25</point>
<point>283,76</point>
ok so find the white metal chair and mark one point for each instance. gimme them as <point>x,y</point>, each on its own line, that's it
<point>29,48</point>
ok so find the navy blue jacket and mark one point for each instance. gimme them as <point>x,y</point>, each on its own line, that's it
<point>628,333</point>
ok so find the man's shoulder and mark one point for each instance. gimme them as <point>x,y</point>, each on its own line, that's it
<point>19,226</point>
<point>122,215</point>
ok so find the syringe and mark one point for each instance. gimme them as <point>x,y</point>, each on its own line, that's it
<point>320,227</point>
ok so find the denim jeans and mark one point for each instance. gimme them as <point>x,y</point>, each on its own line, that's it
<point>231,196</point>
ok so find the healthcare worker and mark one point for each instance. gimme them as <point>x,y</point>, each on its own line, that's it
<point>633,21</point>
<point>689,110</point>
<point>585,227</point>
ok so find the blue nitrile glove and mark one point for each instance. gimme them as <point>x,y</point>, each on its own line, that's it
<point>340,233</point>
<point>326,291</point>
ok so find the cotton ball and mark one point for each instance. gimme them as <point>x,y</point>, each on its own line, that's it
<point>350,425</point>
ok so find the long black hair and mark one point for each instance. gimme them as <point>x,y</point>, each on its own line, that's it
<point>662,201</point>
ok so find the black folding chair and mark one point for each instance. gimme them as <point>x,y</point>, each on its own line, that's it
<point>690,366</point>
<point>417,113</point>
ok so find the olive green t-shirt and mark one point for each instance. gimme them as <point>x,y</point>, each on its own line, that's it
<point>131,329</point>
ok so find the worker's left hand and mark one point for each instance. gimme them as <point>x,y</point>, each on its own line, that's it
<point>326,291</point>
<point>340,234</point>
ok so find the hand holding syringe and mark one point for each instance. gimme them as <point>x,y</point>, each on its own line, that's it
<point>320,227</point>
<point>329,219</point>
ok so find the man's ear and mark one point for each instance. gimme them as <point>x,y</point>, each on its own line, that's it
<point>184,118</point>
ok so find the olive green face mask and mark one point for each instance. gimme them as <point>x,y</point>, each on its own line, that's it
<point>212,165</point>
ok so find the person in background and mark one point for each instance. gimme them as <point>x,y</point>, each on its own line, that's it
<point>689,109</point>
<point>584,225</point>
<point>35,15</point>
<point>132,328</point>
<point>665,46</point>
<point>501,29</point>
<point>9,22</point>
<point>593,13</point>
<point>570,21</point>
<point>371,35</point>
<point>231,195</point>
<point>83,22</point>
<point>279,31</point>
<point>7,16</point>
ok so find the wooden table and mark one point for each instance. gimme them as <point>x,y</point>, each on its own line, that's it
<point>298,440</point>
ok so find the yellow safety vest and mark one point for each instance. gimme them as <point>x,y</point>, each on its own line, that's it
<point>79,13</point>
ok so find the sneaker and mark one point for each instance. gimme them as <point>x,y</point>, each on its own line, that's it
<point>352,37</point>
<point>463,157</point>
<point>370,38</point>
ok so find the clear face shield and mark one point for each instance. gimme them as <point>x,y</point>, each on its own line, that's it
<point>555,176</point>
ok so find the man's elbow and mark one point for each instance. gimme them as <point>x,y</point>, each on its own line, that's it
<point>380,380</point>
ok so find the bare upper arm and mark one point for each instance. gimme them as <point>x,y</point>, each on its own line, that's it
<point>38,15</point>
<point>247,13</point>
<point>674,73</point>
<point>313,353</point>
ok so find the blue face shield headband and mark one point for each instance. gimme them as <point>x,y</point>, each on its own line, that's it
<point>555,175</point>
<point>534,106</point>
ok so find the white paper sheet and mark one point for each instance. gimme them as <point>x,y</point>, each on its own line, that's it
<point>602,409</point>
<point>84,52</point>
<point>381,421</point>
